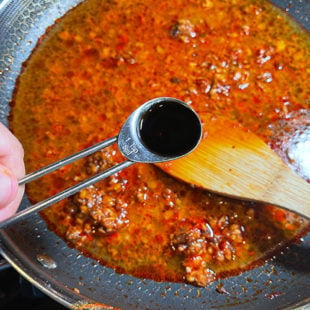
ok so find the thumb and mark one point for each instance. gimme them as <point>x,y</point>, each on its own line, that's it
<point>8,187</point>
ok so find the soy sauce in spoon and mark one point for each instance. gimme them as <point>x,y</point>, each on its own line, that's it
<point>162,129</point>
<point>170,129</point>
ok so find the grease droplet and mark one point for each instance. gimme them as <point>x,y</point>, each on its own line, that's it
<point>46,261</point>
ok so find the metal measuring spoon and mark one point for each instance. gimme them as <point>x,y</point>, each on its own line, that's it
<point>161,129</point>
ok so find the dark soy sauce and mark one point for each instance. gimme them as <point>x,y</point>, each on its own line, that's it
<point>170,129</point>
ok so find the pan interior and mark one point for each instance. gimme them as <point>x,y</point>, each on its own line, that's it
<point>21,243</point>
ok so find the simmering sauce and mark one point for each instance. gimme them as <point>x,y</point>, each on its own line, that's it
<point>242,59</point>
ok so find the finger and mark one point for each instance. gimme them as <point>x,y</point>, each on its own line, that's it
<point>12,168</point>
<point>11,208</point>
<point>8,187</point>
<point>10,193</point>
<point>11,152</point>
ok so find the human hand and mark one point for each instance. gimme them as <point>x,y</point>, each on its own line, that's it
<point>12,168</point>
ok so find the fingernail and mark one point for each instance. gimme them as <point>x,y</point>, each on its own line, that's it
<point>8,187</point>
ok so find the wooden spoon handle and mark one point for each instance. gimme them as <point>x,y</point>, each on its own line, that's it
<point>235,162</point>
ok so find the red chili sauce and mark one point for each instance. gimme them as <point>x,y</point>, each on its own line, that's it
<point>242,59</point>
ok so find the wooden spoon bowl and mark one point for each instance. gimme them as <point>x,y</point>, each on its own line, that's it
<point>233,161</point>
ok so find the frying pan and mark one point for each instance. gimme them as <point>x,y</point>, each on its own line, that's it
<point>282,282</point>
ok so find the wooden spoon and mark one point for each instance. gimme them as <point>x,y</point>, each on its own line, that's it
<point>233,161</point>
